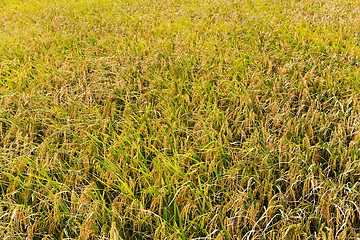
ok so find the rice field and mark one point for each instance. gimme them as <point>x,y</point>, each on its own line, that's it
<point>179,119</point>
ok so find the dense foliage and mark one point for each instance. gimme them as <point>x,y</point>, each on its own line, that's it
<point>182,119</point>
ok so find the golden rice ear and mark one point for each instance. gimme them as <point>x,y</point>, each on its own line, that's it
<point>219,236</point>
<point>114,233</point>
<point>160,232</point>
